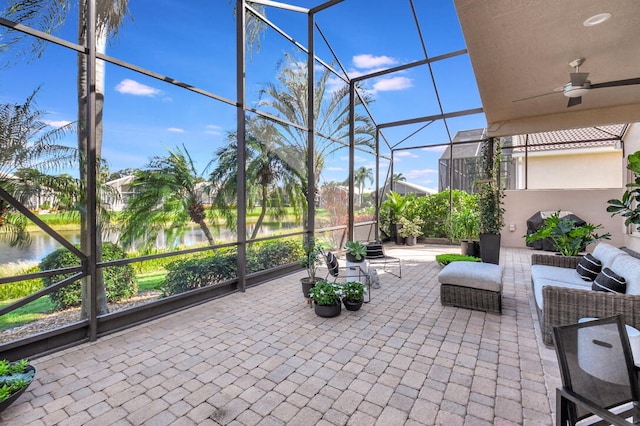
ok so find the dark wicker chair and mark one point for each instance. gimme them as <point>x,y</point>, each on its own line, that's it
<point>597,371</point>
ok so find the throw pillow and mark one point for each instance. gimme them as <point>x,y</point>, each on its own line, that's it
<point>332,263</point>
<point>607,280</point>
<point>589,267</point>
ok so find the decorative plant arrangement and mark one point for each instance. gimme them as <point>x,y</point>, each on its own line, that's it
<point>629,205</point>
<point>355,251</point>
<point>310,261</point>
<point>353,292</point>
<point>490,201</point>
<point>569,239</point>
<point>15,377</point>
<point>326,297</point>
<point>410,229</point>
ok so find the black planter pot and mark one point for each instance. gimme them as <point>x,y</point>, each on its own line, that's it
<point>396,232</point>
<point>327,311</point>
<point>352,306</point>
<point>470,248</point>
<point>351,258</point>
<point>307,284</point>
<point>490,248</point>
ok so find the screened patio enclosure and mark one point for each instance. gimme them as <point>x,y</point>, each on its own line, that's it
<point>183,131</point>
<point>113,95</point>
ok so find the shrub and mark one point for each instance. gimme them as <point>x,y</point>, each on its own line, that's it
<point>445,259</point>
<point>190,274</point>
<point>120,282</point>
<point>19,289</point>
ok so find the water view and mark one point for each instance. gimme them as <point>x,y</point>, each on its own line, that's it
<point>43,244</point>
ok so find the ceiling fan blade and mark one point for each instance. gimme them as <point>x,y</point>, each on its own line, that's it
<point>574,101</point>
<point>535,96</point>
<point>627,82</point>
<point>578,78</point>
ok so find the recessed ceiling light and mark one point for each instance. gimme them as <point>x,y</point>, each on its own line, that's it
<point>596,19</point>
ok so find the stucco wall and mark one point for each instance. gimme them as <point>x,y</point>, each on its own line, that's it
<point>574,170</point>
<point>588,204</point>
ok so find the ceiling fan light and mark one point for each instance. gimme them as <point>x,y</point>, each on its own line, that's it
<point>596,19</point>
<point>575,92</point>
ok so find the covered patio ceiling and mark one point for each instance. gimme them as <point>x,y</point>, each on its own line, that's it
<point>522,49</point>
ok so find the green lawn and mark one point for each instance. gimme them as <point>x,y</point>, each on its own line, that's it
<point>38,308</point>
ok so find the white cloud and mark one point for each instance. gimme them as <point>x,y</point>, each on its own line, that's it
<point>213,129</point>
<point>175,130</point>
<point>131,87</point>
<point>407,154</point>
<point>334,169</point>
<point>419,174</point>
<point>393,83</point>
<point>367,61</point>
<point>56,123</point>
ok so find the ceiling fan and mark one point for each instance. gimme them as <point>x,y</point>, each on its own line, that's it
<point>578,85</point>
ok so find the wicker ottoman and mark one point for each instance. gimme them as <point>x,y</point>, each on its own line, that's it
<point>472,285</point>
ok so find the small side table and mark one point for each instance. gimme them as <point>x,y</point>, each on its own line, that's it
<point>634,340</point>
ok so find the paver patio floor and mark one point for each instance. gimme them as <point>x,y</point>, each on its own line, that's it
<point>264,358</point>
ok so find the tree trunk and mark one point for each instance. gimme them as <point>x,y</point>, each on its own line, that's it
<point>263,212</point>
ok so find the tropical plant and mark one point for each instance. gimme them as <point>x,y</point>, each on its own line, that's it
<point>629,205</point>
<point>569,238</point>
<point>167,194</point>
<point>26,142</point>
<point>356,249</point>
<point>287,99</point>
<point>491,192</point>
<point>361,175</point>
<point>271,184</point>
<point>464,224</point>
<point>312,258</point>
<point>326,293</point>
<point>353,291</point>
<point>410,227</point>
<point>14,376</point>
<point>399,177</point>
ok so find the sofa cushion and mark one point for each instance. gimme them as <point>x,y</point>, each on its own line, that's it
<point>557,273</point>
<point>589,267</point>
<point>482,276</point>
<point>607,280</point>
<point>628,267</point>
<point>540,283</point>
<point>606,254</point>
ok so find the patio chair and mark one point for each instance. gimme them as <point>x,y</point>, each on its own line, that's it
<point>376,256</point>
<point>349,273</point>
<point>598,374</point>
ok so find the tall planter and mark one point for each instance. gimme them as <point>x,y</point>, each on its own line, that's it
<point>490,248</point>
<point>470,248</point>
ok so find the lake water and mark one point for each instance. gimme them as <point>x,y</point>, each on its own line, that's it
<point>42,244</point>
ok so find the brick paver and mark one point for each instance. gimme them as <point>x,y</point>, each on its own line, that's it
<point>264,358</point>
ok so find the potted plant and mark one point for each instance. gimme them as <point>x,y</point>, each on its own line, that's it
<point>490,202</point>
<point>395,204</point>
<point>629,205</point>
<point>311,260</point>
<point>465,227</point>
<point>410,229</point>
<point>569,238</point>
<point>355,251</point>
<point>353,295</point>
<point>326,299</point>
<point>15,378</point>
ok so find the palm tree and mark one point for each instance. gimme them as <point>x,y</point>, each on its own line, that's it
<point>271,181</point>
<point>359,178</point>
<point>287,99</point>
<point>398,177</point>
<point>26,142</point>
<point>167,195</point>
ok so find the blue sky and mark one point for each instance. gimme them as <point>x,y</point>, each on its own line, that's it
<point>194,42</point>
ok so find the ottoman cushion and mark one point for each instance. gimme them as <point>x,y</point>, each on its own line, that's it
<point>481,276</point>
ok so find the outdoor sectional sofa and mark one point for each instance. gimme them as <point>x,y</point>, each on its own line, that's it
<point>563,297</point>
